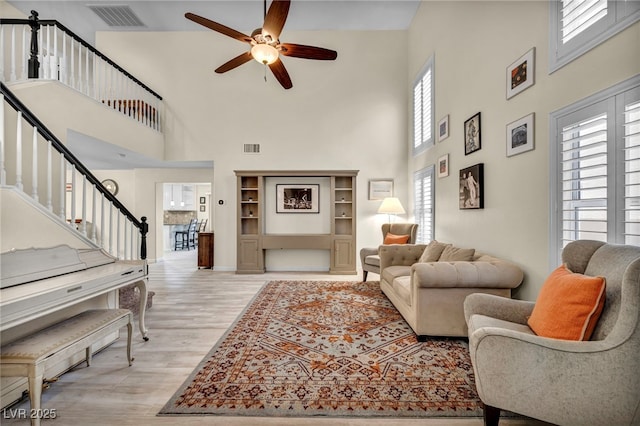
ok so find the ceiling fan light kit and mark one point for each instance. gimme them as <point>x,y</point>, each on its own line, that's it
<point>265,43</point>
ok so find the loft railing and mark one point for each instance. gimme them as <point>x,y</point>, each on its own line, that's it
<point>47,50</point>
<point>35,162</point>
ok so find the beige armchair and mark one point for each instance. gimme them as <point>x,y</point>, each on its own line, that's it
<point>595,382</point>
<point>369,257</point>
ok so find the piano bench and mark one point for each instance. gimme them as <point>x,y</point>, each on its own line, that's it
<point>30,355</point>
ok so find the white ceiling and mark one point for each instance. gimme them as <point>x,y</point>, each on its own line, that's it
<point>242,15</point>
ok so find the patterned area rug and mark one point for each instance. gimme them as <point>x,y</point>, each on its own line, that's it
<point>318,348</point>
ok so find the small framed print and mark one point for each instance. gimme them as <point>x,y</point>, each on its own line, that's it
<point>379,189</point>
<point>520,74</point>
<point>443,166</point>
<point>471,192</point>
<point>295,198</point>
<point>203,208</point>
<point>520,135</point>
<point>443,128</point>
<point>472,141</point>
<point>203,200</point>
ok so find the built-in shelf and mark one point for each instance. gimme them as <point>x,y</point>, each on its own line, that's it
<point>253,241</point>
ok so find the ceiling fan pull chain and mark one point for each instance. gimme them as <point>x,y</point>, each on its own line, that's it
<point>265,73</point>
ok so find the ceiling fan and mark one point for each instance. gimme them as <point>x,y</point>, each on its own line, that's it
<point>265,44</point>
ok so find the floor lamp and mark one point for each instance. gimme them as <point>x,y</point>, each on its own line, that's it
<point>391,205</point>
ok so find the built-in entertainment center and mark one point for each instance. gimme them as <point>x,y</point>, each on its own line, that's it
<point>283,209</point>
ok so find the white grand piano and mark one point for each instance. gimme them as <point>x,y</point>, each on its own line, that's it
<point>40,281</point>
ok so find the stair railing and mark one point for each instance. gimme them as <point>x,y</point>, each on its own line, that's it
<point>47,50</point>
<point>34,161</point>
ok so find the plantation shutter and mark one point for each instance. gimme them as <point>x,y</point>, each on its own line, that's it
<point>632,173</point>
<point>578,15</point>
<point>584,179</point>
<point>423,203</point>
<point>423,109</point>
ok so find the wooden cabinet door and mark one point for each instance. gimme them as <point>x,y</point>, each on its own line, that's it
<point>250,256</point>
<point>343,259</point>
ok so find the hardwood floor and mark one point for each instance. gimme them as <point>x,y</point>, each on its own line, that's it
<point>191,310</point>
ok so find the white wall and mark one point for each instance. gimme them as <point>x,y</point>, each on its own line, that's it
<point>344,114</point>
<point>473,43</point>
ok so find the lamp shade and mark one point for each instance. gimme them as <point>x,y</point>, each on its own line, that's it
<point>391,205</point>
<point>264,53</point>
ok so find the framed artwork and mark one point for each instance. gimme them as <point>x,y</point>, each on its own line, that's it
<point>443,166</point>
<point>443,128</point>
<point>520,135</point>
<point>472,141</point>
<point>472,187</point>
<point>203,200</point>
<point>379,189</point>
<point>202,208</point>
<point>520,74</point>
<point>297,198</point>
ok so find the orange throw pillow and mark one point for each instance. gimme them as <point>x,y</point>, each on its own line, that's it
<point>395,239</point>
<point>569,305</point>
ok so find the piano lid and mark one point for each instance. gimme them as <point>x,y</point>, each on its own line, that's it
<point>27,265</point>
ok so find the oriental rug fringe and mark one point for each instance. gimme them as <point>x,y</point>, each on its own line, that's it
<point>335,349</point>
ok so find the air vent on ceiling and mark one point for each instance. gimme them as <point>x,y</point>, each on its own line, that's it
<point>116,15</point>
<point>251,148</point>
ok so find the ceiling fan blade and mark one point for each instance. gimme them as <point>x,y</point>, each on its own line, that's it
<point>234,63</point>
<point>218,27</point>
<point>308,52</point>
<point>276,17</point>
<point>281,74</point>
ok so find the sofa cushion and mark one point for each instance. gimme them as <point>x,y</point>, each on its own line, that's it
<point>432,252</point>
<point>395,239</point>
<point>456,254</point>
<point>390,273</point>
<point>568,306</point>
<point>402,287</point>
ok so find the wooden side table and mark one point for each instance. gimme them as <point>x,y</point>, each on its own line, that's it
<point>205,250</point>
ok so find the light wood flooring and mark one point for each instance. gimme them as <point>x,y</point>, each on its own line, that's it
<point>191,310</point>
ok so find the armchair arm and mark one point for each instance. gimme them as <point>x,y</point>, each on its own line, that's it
<point>516,311</point>
<point>399,254</point>
<point>484,274</point>
<point>367,251</point>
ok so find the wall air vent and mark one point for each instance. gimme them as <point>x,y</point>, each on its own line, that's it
<point>116,15</point>
<point>251,148</point>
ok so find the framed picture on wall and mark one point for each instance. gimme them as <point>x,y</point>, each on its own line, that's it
<point>203,208</point>
<point>472,141</point>
<point>203,200</point>
<point>471,195</point>
<point>297,198</point>
<point>520,74</point>
<point>520,135</point>
<point>443,128</point>
<point>379,189</point>
<point>443,166</point>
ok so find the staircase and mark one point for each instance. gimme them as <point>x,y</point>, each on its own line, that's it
<point>44,188</point>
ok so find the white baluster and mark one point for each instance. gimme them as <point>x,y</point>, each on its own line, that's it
<point>111,227</point>
<point>46,59</point>
<point>12,65</point>
<point>19,152</point>
<point>3,169</point>
<point>80,84</point>
<point>72,78</point>
<point>34,166</point>
<point>126,241</point>
<point>87,82</point>
<point>94,213</point>
<point>73,195</point>
<point>63,74</point>
<point>43,69</point>
<point>55,72</point>
<point>96,92</point>
<point>63,187</point>
<point>2,52</point>
<point>83,226</point>
<point>102,221</point>
<point>118,235</point>
<point>25,56</point>
<point>49,177</point>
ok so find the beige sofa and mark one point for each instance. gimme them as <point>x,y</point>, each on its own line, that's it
<point>430,295</point>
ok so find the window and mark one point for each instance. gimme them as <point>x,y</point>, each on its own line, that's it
<point>423,109</point>
<point>595,164</point>
<point>577,26</point>
<point>424,196</point>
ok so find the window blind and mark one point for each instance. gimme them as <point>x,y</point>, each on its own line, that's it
<point>423,109</point>
<point>632,173</point>
<point>423,203</point>
<point>584,180</point>
<point>578,15</point>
